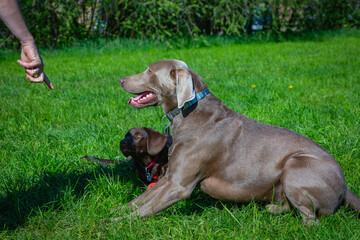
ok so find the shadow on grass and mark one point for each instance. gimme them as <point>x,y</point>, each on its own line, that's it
<point>20,203</point>
<point>16,206</point>
<point>200,202</point>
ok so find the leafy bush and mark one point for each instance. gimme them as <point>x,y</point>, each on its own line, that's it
<point>58,22</point>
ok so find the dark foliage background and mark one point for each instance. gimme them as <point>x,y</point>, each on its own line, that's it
<point>56,23</point>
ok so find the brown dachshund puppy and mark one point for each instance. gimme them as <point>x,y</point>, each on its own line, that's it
<point>148,150</point>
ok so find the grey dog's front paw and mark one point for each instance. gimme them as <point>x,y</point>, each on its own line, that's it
<point>117,219</point>
<point>121,209</point>
<point>125,216</point>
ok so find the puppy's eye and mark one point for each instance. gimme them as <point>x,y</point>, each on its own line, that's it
<point>148,71</point>
<point>138,135</point>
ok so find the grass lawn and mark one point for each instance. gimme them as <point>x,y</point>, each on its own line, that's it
<point>309,85</point>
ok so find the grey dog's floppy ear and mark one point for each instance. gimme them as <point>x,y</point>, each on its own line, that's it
<point>184,87</point>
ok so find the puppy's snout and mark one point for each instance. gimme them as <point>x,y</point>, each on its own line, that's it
<point>123,143</point>
<point>122,81</point>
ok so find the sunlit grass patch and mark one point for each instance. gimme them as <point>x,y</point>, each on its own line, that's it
<point>47,191</point>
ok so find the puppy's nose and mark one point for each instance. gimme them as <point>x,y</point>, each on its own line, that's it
<point>123,144</point>
<point>122,81</point>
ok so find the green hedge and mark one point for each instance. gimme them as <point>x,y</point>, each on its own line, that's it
<point>60,22</point>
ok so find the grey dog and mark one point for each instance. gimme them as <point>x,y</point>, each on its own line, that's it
<point>229,156</point>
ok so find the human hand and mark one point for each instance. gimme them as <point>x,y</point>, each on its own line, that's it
<point>34,67</point>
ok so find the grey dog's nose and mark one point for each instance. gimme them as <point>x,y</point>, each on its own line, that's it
<point>122,81</point>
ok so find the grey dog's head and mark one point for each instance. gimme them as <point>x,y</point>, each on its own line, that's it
<point>168,83</point>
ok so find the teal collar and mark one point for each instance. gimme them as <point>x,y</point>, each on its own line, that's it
<point>170,115</point>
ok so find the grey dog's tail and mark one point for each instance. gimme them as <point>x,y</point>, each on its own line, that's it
<point>352,200</point>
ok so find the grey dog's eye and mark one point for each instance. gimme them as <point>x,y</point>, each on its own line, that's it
<point>148,70</point>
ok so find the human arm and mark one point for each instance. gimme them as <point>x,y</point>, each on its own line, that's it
<point>11,15</point>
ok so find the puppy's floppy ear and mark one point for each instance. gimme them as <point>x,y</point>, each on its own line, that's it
<point>184,87</point>
<point>155,142</point>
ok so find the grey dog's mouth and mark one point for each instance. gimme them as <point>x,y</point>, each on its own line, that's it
<point>142,99</point>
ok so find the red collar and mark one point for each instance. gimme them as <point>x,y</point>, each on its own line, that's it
<point>153,162</point>
<point>148,168</point>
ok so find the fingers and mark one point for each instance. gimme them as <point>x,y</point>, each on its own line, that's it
<point>38,79</point>
<point>30,65</point>
<point>41,78</point>
<point>33,72</point>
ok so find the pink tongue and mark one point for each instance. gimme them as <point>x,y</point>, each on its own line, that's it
<point>138,97</point>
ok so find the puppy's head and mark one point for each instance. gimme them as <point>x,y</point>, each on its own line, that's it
<point>168,83</point>
<point>140,143</point>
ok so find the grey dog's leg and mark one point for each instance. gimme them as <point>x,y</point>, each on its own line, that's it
<point>166,196</point>
<point>313,186</point>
